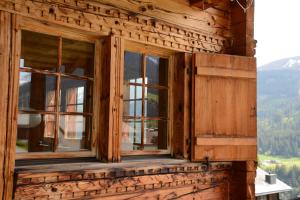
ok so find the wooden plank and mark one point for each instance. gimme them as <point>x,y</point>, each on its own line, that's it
<point>181,106</point>
<point>209,71</point>
<point>224,125</point>
<point>111,98</point>
<point>118,57</point>
<point>100,18</point>
<point>5,47</point>
<point>226,141</point>
<point>230,62</point>
<point>13,75</point>
<point>225,153</point>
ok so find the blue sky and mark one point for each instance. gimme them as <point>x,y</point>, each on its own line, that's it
<point>277,29</point>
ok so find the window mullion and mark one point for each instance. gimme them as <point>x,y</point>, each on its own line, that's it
<point>143,99</point>
<point>59,63</point>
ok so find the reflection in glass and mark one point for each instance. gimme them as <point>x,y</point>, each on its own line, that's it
<point>131,135</point>
<point>74,133</point>
<point>133,67</point>
<point>35,133</point>
<point>36,92</point>
<point>39,51</point>
<point>77,58</point>
<point>156,71</point>
<point>76,95</point>
<point>155,135</point>
<point>156,102</point>
<point>132,100</point>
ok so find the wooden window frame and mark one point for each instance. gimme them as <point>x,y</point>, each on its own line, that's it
<point>147,50</point>
<point>68,33</point>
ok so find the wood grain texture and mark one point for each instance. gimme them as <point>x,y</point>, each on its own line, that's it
<point>165,25</point>
<point>10,37</point>
<point>181,105</point>
<point>5,47</point>
<point>165,181</point>
<point>225,108</point>
<point>111,98</point>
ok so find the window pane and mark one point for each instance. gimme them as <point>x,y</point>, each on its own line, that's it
<point>132,100</point>
<point>36,92</point>
<point>133,67</point>
<point>155,135</point>
<point>131,135</point>
<point>156,102</point>
<point>77,58</point>
<point>76,95</point>
<point>74,133</point>
<point>35,133</point>
<point>39,51</point>
<point>156,71</point>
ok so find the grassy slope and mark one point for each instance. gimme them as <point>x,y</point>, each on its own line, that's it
<point>289,162</point>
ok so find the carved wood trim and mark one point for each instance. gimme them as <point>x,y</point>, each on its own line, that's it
<point>107,20</point>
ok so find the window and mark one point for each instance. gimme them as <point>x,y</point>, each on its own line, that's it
<point>145,109</point>
<point>56,78</point>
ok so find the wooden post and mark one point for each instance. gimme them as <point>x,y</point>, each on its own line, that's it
<point>9,56</point>
<point>242,30</point>
<point>181,105</point>
<point>111,98</point>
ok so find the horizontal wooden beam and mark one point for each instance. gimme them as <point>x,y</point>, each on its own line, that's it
<point>225,141</point>
<point>205,4</point>
<point>211,71</point>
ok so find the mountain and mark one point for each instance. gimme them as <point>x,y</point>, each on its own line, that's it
<point>279,79</point>
<point>278,107</point>
<point>286,63</point>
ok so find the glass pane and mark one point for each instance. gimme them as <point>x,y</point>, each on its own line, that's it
<point>156,71</point>
<point>131,135</point>
<point>156,102</point>
<point>77,58</point>
<point>39,51</point>
<point>133,67</point>
<point>132,100</point>
<point>36,92</point>
<point>155,135</point>
<point>74,133</point>
<point>35,133</point>
<point>76,95</point>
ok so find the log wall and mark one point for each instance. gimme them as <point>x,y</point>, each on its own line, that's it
<point>168,24</point>
<point>173,181</point>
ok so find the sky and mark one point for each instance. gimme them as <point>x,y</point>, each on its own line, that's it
<point>277,29</point>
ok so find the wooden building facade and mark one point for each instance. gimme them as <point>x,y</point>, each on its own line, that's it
<point>127,99</point>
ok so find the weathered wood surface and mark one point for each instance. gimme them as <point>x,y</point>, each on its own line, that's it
<point>225,108</point>
<point>5,47</point>
<point>242,29</point>
<point>181,105</point>
<point>111,98</point>
<point>166,24</point>
<point>154,181</point>
<point>9,57</point>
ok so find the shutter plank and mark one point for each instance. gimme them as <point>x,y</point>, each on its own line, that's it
<point>224,124</point>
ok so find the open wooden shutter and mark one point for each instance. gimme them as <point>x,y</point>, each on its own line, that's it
<point>224,108</point>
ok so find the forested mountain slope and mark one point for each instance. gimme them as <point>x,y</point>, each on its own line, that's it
<point>279,107</point>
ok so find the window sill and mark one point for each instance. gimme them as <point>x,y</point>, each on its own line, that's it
<point>93,170</point>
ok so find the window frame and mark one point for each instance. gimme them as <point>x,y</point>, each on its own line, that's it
<point>32,25</point>
<point>147,50</point>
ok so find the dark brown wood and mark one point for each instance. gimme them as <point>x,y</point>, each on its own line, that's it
<point>181,105</point>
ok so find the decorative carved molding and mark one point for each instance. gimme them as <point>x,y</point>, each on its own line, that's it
<point>103,19</point>
<point>101,183</point>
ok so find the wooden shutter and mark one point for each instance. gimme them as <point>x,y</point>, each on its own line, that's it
<point>224,108</point>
